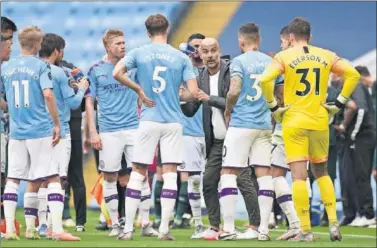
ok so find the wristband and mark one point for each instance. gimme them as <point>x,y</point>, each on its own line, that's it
<point>273,106</point>
<point>340,102</point>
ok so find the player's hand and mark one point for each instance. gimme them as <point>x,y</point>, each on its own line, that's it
<point>146,101</point>
<point>227,118</point>
<point>95,140</point>
<point>83,84</point>
<point>277,111</point>
<point>278,114</point>
<point>202,96</point>
<point>339,128</point>
<point>332,109</point>
<point>56,135</point>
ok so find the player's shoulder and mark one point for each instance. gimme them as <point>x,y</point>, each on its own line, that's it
<point>322,51</point>
<point>95,66</point>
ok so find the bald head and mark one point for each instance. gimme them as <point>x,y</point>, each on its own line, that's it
<point>210,53</point>
<point>209,42</point>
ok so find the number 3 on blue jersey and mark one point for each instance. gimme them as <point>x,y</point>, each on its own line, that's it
<point>156,77</point>
<point>257,91</point>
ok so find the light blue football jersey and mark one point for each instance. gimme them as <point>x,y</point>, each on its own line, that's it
<point>117,104</point>
<point>1,111</point>
<point>24,79</point>
<point>251,110</point>
<point>62,91</point>
<point>193,126</point>
<point>160,71</point>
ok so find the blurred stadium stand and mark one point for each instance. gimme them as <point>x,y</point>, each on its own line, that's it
<point>83,23</point>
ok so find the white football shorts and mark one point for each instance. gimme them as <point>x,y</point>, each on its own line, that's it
<point>150,134</point>
<point>114,144</point>
<point>194,149</point>
<point>64,154</point>
<point>242,145</point>
<point>32,159</point>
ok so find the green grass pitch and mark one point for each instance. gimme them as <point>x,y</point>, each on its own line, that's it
<point>352,237</point>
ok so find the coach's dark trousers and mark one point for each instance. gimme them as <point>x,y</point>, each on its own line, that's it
<point>75,171</point>
<point>211,180</point>
<point>356,170</point>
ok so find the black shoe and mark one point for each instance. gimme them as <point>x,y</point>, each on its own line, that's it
<point>186,223</point>
<point>346,220</point>
<point>102,226</point>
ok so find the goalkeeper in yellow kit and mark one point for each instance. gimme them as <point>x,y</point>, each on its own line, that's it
<point>305,118</point>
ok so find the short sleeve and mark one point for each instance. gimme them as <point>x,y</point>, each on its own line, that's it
<point>45,78</point>
<point>129,60</point>
<point>66,89</point>
<point>188,70</point>
<point>236,68</point>
<point>93,83</point>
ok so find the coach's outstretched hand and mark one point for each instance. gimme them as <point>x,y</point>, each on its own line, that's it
<point>146,101</point>
<point>56,135</point>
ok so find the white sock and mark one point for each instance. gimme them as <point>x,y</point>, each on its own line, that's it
<point>145,203</point>
<point>31,209</point>
<point>110,193</point>
<point>193,189</point>
<point>133,196</point>
<point>168,197</point>
<point>284,198</point>
<point>42,206</point>
<point>265,200</point>
<point>10,198</point>
<point>229,194</point>
<point>56,205</point>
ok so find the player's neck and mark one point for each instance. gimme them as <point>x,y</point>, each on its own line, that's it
<point>299,43</point>
<point>159,39</point>
<point>24,52</point>
<point>251,48</point>
<point>50,60</point>
<point>111,59</point>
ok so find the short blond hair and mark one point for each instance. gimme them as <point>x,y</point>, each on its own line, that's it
<point>111,34</point>
<point>29,36</point>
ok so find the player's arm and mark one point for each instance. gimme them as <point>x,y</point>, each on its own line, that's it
<point>233,93</point>
<point>46,84</point>
<point>94,138</point>
<point>74,101</point>
<point>351,77</point>
<point>267,82</point>
<point>190,108</point>
<point>121,75</point>
<point>189,77</point>
<point>3,104</point>
<point>191,92</point>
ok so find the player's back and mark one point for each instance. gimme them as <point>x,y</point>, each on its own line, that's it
<point>250,110</point>
<point>24,79</point>
<point>160,71</point>
<point>59,78</point>
<point>306,75</point>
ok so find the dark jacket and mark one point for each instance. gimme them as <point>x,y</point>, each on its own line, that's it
<point>190,108</point>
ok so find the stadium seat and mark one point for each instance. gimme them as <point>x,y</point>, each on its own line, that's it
<point>82,24</point>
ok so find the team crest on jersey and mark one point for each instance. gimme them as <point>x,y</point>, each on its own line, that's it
<point>101,164</point>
